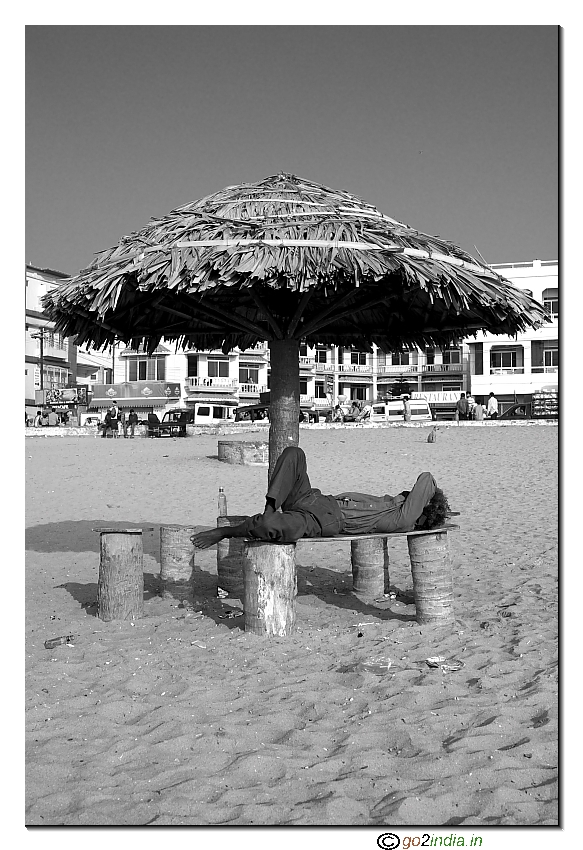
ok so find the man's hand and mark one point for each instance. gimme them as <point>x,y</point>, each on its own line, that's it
<point>206,539</point>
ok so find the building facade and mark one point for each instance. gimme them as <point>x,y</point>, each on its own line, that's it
<point>514,368</point>
<point>215,384</point>
<point>51,362</point>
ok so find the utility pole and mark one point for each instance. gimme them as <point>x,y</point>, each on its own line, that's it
<point>41,337</point>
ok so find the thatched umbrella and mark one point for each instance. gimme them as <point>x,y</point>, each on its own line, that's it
<point>279,261</point>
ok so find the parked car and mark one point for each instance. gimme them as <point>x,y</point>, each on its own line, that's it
<point>180,414</point>
<point>518,411</point>
<point>252,413</point>
<point>394,411</point>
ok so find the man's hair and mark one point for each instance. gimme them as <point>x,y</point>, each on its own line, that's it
<point>437,510</point>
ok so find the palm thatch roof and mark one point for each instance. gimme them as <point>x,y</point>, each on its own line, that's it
<point>279,259</point>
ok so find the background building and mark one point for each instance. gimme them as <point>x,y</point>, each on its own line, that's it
<point>51,362</point>
<point>513,368</point>
<point>214,384</point>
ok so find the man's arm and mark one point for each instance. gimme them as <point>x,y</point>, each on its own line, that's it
<point>206,539</point>
<point>422,492</point>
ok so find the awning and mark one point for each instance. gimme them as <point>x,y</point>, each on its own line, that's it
<point>127,403</point>
<point>353,379</point>
<point>214,399</point>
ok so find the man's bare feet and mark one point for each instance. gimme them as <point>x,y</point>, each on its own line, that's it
<point>206,539</point>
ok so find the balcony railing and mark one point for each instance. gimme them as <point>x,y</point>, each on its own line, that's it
<point>354,367</point>
<point>510,370</point>
<point>325,367</point>
<point>442,367</point>
<point>216,383</point>
<point>254,389</point>
<point>313,400</point>
<point>389,369</point>
<point>547,370</point>
<point>307,361</point>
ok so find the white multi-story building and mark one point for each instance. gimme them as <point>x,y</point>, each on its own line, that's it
<point>513,368</point>
<point>214,384</point>
<point>52,362</point>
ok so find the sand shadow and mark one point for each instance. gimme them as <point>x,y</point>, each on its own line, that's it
<point>330,586</point>
<point>79,535</point>
<point>86,594</point>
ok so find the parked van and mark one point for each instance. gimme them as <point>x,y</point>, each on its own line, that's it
<point>394,411</point>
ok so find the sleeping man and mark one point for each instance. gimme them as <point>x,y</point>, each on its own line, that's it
<point>306,512</point>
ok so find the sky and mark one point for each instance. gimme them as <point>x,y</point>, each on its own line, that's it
<point>450,129</point>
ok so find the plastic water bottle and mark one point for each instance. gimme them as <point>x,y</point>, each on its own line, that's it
<point>222,502</point>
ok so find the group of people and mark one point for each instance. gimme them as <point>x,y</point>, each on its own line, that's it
<point>359,411</point>
<point>467,408</point>
<point>294,509</point>
<point>47,417</point>
<point>114,418</point>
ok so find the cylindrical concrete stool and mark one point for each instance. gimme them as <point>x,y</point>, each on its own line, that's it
<point>230,558</point>
<point>432,577</point>
<point>120,589</point>
<point>176,561</point>
<point>245,452</point>
<point>270,588</point>
<point>370,567</point>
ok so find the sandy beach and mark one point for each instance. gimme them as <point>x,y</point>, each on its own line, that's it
<point>182,718</point>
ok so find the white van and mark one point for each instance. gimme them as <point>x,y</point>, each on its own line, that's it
<point>394,411</point>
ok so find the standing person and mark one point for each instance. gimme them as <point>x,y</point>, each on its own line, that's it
<point>306,512</point>
<point>406,409</point>
<point>106,426</point>
<point>132,422</point>
<point>492,409</point>
<point>124,424</point>
<point>114,418</point>
<point>38,419</point>
<point>462,407</point>
<point>478,412</point>
<point>52,418</point>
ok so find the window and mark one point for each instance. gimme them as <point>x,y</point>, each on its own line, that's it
<point>452,356</point>
<point>146,368</point>
<point>192,365</point>
<point>218,367</point>
<point>303,386</point>
<point>219,413</point>
<point>303,349</point>
<point>503,359</point>
<point>400,358</point>
<point>54,378</point>
<point>551,356</point>
<point>320,389</point>
<point>54,340</point>
<point>321,355</point>
<point>204,411</point>
<point>248,373</point>
<point>358,358</point>
<point>551,301</point>
<point>430,354</point>
<point>358,393</point>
